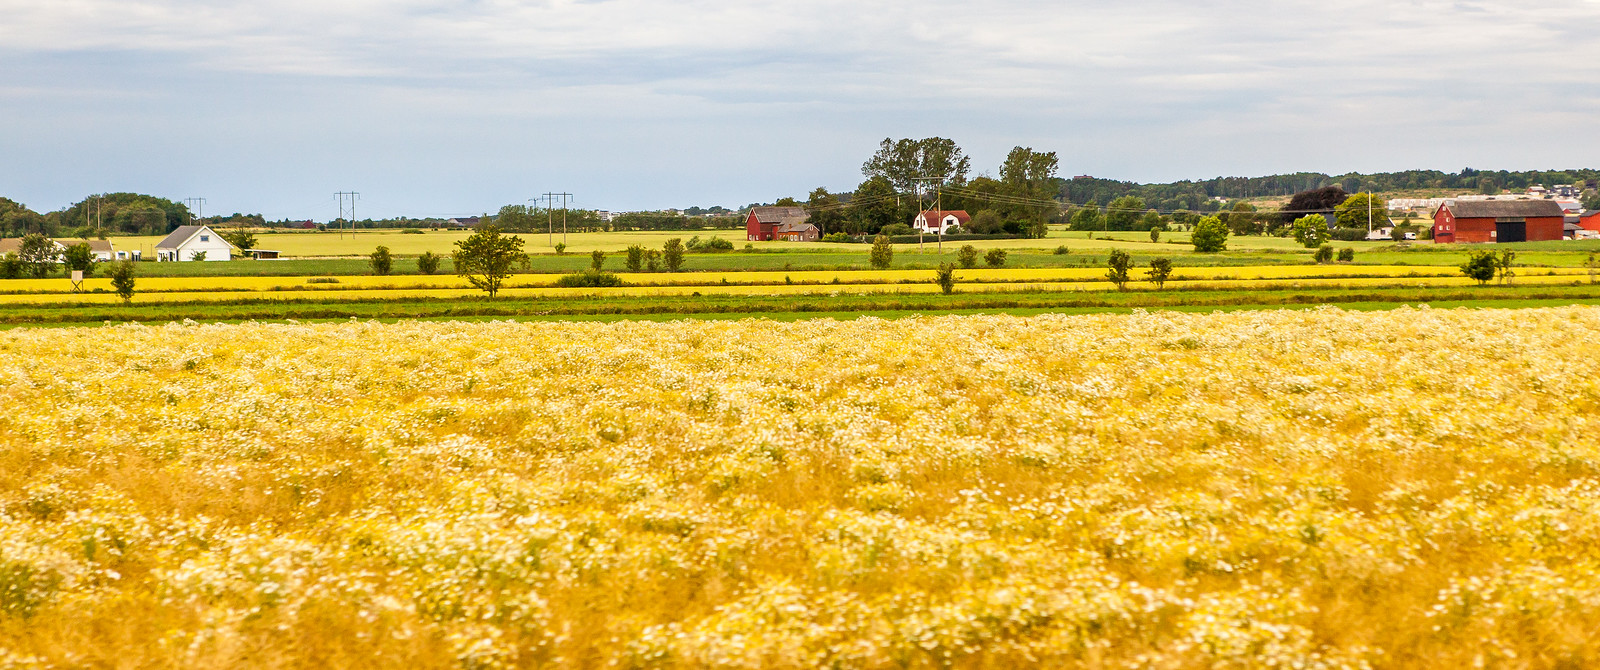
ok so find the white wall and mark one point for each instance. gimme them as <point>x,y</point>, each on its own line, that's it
<point>215,247</point>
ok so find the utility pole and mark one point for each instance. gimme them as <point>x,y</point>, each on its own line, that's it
<point>352,196</point>
<point>1369,215</point>
<point>198,209</point>
<point>550,208</point>
<point>938,190</point>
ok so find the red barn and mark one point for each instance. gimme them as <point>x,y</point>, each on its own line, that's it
<point>764,222</point>
<point>1498,221</point>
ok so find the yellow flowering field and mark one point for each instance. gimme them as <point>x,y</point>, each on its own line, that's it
<point>1273,489</point>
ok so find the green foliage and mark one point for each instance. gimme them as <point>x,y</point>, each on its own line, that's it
<point>894,229</point>
<point>561,248</point>
<point>485,259</point>
<point>1311,231</point>
<point>1347,255</point>
<point>882,252</point>
<point>1118,262</point>
<point>10,266</point>
<point>836,237</point>
<point>241,238</point>
<point>1480,266</point>
<point>712,245</point>
<point>79,257</point>
<point>995,258</point>
<point>1210,235</point>
<point>1505,265</point>
<point>198,256</point>
<point>1591,199</point>
<point>986,222</point>
<point>122,280</point>
<point>1160,270</point>
<point>1087,218</point>
<point>428,263</point>
<point>652,260</point>
<point>597,259</point>
<point>591,278</point>
<point>1155,234</point>
<point>672,253</point>
<point>1593,265</point>
<point>901,162</point>
<point>1352,213</point>
<point>945,277</point>
<point>967,256</point>
<point>1062,250</point>
<point>1124,212</point>
<point>411,231</point>
<point>38,254</point>
<point>381,261</point>
<point>635,260</point>
<point>1324,254</point>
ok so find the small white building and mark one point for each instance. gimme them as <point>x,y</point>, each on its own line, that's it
<point>188,241</point>
<point>101,250</point>
<point>939,222</point>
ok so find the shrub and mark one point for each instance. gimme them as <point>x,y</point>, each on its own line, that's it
<point>1160,270</point>
<point>836,237</point>
<point>591,278</point>
<point>897,229</point>
<point>122,280</point>
<point>672,253</point>
<point>967,256</point>
<point>323,280</point>
<point>716,244</point>
<point>1348,234</point>
<point>995,258</point>
<point>1062,250</point>
<point>1311,231</point>
<point>1346,255</point>
<point>597,258</point>
<point>411,231</point>
<point>381,261</point>
<point>652,260</point>
<point>1119,263</point>
<point>10,266</point>
<point>945,277</point>
<point>1324,254</point>
<point>1210,235</point>
<point>635,260</point>
<point>1480,266</point>
<point>561,248</point>
<point>882,252</point>
<point>1155,234</point>
<point>428,263</point>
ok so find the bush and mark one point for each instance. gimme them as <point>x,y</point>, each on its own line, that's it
<point>1210,235</point>
<point>716,244</point>
<point>597,258</point>
<point>411,231</point>
<point>1480,266</point>
<point>381,261</point>
<point>882,252</point>
<point>837,237</point>
<point>428,263</point>
<point>589,279</point>
<point>897,229</point>
<point>672,253</point>
<point>945,277</point>
<point>995,258</point>
<point>561,248</point>
<point>652,260</point>
<point>1160,270</point>
<point>1062,250</point>
<point>122,280</point>
<point>10,266</point>
<point>1324,254</point>
<point>1155,234</point>
<point>635,260</point>
<point>1348,234</point>
<point>967,256</point>
<point>1346,255</point>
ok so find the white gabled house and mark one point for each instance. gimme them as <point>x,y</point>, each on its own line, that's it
<point>100,249</point>
<point>186,241</point>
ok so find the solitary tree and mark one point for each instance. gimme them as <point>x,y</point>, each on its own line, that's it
<point>428,263</point>
<point>79,257</point>
<point>1311,231</point>
<point>967,256</point>
<point>485,259</point>
<point>241,238</point>
<point>122,280</point>
<point>945,277</point>
<point>597,258</point>
<point>1119,263</point>
<point>381,261</point>
<point>1155,234</point>
<point>1480,266</point>
<point>1504,265</point>
<point>995,258</point>
<point>672,254</point>
<point>882,252</point>
<point>38,255</point>
<point>1160,270</point>
<point>1210,235</point>
<point>635,257</point>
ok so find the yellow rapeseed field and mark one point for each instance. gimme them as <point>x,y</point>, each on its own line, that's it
<point>1275,489</point>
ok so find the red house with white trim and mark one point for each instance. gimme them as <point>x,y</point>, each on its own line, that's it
<point>1498,221</point>
<point>779,223</point>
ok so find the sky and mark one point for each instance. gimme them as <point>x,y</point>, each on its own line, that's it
<point>456,107</point>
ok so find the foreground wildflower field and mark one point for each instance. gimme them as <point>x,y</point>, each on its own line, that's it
<point>1311,489</point>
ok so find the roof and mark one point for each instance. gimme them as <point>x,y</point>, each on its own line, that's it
<point>1589,213</point>
<point>1495,209</point>
<point>961,215</point>
<point>99,245</point>
<point>779,214</point>
<point>794,225</point>
<point>177,237</point>
<point>10,245</point>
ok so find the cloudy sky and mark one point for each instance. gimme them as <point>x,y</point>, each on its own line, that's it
<point>448,107</point>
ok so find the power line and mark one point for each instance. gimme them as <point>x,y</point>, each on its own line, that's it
<point>550,208</point>
<point>351,197</point>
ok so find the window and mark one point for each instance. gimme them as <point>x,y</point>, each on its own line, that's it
<point>205,238</point>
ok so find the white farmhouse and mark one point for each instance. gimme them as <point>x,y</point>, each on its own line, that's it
<point>187,241</point>
<point>939,222</point>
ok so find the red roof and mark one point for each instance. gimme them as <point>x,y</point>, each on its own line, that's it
<point>937,215</point>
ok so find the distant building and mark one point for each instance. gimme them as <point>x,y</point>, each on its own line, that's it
<point>462,222</point>
<point>763,222</point>
<point>100,249</point>
<point>938,222</point>
<point>1589,220</point>
<point>189,241</point>
<point>1498,221</point>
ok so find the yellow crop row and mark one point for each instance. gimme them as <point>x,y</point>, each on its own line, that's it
<point>1280,489</point>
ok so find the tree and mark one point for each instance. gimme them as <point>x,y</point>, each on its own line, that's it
<point>1155,234</point>
<point>995,258</point>
<point>967,256</point>
<point>1324,254</point>
<point>672,253</point>
<point>38,255</point>
<point>1352,213</point>
<point>1311,231</point>
<point>1119,263</point>
<point>485,259</point>
<point>1591,199</point>
<point>882,252</point>
<point>381,261</point>
<point>1210,235</point>
<point>652,260</point>
<point>1504,264</point>
<point>122,280</point>
<point>1028,175</point>
<point>1087,218</point>
<point>873,206</point>
<point>945,277</point>
<point>11,266</point>
<point>1593,265</point>
<point>1124,212</point>
<point>428,263</point>
<point>635,258</point>
<point>1347,255</point>
<point>239,237</point>
<point>1152,221</point>
<point>1480,266</point>
<point>1313,201</point>
<point>1241,219</point>
<point>985,222</point>
<point>1160,270</point>
<point>902,162</point>
<point>597,258</point>
<point>79,257</point>
<point>825,211</point>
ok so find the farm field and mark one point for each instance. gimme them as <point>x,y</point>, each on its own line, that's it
<point>1321,489</point>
